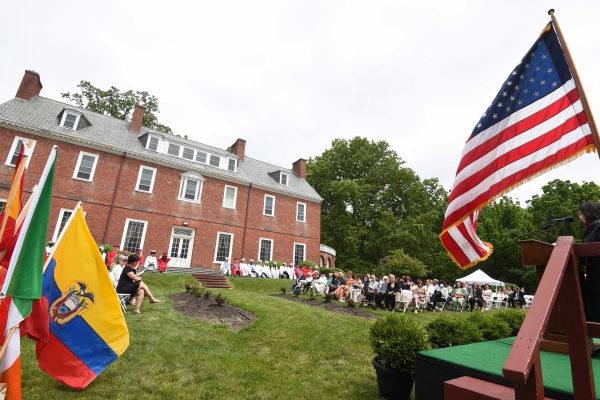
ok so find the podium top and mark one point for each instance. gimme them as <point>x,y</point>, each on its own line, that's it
<point>535,252</point>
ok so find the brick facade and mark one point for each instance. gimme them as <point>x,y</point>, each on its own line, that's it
<point>111,198</point>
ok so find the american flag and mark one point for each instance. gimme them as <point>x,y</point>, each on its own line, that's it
<point>535,122</point>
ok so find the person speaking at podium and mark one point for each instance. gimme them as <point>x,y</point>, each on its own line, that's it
<point>589,214</point>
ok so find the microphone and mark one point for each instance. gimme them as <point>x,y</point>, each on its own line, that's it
<point>556,221</point>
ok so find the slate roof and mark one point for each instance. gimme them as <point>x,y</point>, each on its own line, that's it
<point>39,116</point>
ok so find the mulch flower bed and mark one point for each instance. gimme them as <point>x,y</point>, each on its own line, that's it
<point>333,305</point>
<point>208,311</point>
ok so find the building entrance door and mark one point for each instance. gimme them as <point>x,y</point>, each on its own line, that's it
<point>180,247</point>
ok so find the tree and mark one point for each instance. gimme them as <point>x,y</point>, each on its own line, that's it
<point>117,104</point>
<point>399,263</point>
<point>559,199</point>
<point>373,205</point>
<point>502,223</point>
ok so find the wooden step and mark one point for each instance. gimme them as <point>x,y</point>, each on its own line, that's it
<point>469,388</point>
<point>212,279</point>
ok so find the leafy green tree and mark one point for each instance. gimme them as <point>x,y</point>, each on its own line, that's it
<point>559,199</point>
<point>502,223</point>
<point>116,103</point>
<point>399,263</point>
<point>372,204</point>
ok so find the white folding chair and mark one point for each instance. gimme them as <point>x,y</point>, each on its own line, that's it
<point>123,298</point>
<point>403,300</point>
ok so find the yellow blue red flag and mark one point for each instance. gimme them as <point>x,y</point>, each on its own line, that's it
<point>87,329</point>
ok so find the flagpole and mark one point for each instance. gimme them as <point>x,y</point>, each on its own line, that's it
<point>584,102</point>
<point>7,337</point>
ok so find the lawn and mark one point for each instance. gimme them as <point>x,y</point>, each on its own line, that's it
<point>291,351</point>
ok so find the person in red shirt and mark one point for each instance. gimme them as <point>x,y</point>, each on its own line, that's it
<point>305,270</point>
<point>110,256</point>
<point>235,267</point>
<point>162,262</point>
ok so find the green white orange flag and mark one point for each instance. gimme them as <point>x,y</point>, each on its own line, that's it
<point>23,282</point>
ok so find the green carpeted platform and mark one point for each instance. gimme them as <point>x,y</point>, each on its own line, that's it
<point>487,359</point>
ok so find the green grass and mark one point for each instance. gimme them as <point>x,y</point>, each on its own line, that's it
<point>292,350</point>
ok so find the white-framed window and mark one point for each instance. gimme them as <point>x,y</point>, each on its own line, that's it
<point>173,149</point>
<point>69,120</point>
<point>215,161</point>
<point>300,212</point>
<point>230,197</point>
<point>145,179</point>
<point>223,246</point>
<point>86,166</point>
<point>188,153</point>
<point>265,249</point>
<point>269,205</point>
<point>152,143</point>
<point>2,204</point>
<point>190,188</point>
<point>201,156</point>
<point>283,178</point>
<point>134,233</point>
<point>15,148</point>
<point>299,253</point>
<point>231,165</point>
<point>63,217</point>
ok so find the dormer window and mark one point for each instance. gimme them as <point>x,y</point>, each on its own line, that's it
<point>153,143</point>
<point>69,120</point>
<point>283,178</point>
<point>231,165</point>
<point>214,160</point>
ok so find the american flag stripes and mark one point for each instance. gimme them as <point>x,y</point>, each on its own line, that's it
<point>536,122</point>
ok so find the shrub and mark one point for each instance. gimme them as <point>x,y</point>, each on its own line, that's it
<point>328,298</point>
<point>188,287</point>
<point>490,327</point>
<point>447,331</point>
<point>513,318</point>
<point>399,263</point>
<point>207,295</point>
<point>283,291</point>
<point>220,299</point>
<point>197,291</point>
<point>307,263</point>
<point>350,303</point>
<point>395,340</point>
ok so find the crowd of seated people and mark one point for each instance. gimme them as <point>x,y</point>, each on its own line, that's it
<point>389,292</point>
<point>404,293</point>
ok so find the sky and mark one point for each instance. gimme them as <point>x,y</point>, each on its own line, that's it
<point>291,76</point>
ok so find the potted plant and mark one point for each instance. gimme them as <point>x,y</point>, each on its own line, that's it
<point>396,339</point>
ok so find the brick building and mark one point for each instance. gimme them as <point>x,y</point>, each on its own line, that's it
<point>141,188</point>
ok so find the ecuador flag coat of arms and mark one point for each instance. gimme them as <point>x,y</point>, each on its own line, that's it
<point>87,329</point>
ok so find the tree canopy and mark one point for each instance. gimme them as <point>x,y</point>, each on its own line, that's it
<point>381,217</point>
<point>116,103</point>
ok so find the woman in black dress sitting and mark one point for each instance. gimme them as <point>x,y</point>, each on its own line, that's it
<point>589,214</point>
<point>130,283</point>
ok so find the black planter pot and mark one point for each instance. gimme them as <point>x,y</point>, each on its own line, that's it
<point>393,384</point>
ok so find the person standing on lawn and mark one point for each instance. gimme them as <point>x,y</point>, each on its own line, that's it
<point>163,261</point>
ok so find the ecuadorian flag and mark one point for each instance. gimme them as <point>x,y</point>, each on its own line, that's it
<point>87,329</point>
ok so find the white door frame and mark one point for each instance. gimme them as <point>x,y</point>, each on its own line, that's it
<point>176,262</point>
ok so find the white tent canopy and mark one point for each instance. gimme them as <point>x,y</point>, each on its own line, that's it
<point>481,278</point>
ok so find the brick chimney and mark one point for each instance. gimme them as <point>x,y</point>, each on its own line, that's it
<point>30,86</point>
<point>299,168</point>
<point>239,148</point>
<point>137,118</point>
